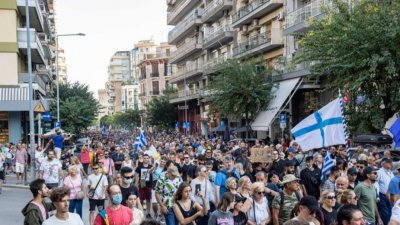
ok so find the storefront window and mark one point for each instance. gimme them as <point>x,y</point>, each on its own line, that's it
<point>4,131</point>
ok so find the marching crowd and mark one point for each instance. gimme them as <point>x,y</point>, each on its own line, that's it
<point>175,179</point>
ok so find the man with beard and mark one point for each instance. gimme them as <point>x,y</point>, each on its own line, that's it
<point>330,182</point>
<point>289,169</point>
<point>36,211</point>
<point>352,176</point>
<point>366,195</point>
<point>51,170</point>
<point>185,166</point>
<point>60,199</point>
<point>118,157</point>
<point>310,178</point>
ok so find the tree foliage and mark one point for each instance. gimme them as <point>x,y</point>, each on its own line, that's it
<point>128,119</point>
<point>161,113</point>
<point>78,107</point>
<point>358,47</point>
<point>241,88</point>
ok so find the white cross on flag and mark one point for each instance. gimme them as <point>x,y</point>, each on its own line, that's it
<point>321,129</point>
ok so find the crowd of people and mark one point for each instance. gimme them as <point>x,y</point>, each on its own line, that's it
<point>176,179</point>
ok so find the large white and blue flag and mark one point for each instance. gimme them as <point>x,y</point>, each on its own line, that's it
<point>321,129</point>
<point>140,141</point>
<point>328,164</point>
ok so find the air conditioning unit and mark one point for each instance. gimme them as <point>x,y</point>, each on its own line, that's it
<point>280,16</point>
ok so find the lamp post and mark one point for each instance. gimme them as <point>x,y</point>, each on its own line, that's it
<point>57,75</point>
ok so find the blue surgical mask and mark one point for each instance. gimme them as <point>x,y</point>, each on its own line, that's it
<point>117,199</point>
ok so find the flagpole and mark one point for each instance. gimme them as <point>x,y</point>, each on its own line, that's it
<point>346,136</point>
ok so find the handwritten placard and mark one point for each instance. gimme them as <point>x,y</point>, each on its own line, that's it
<point>261,155</point>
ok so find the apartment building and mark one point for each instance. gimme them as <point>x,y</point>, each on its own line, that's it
<point>155,71</point>
<point>14,92</point>
<point>118,73</point>
<point>62,67</point>
<point>103,101</point>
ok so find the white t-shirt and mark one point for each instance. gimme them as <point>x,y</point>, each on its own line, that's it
<point>51,170</point>
<point>39,156</point>
<point>261,211</point>
<point>93,180</point>
<point>396,212</point>
<point>73,219</point>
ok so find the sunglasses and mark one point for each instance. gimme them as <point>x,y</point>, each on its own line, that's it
<point>374,173</point>
<point>96,168</point>
<point>331,197</point>
<point>259,193</point>
<point>129,177</point>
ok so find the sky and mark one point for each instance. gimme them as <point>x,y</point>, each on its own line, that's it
<point>110,26</point>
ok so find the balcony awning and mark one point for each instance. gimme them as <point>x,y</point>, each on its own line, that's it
<point>282,95</point>
<point>17,99</point>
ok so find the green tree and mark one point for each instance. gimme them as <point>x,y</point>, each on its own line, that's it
<point>358,48</point>
<point>78,107</point>
<point>161,113</point>
<point>127,119</point>
<point>241,88</point>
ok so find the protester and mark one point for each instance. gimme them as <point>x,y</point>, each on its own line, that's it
<point>127,186</point>
<point>80,168</point>
<point>385,175</point>
<point>2,170</point>
<point>60,199</point>
<point>202,184</point>
<point>20,161</point>
<point>75,184</point>
<point>348,197</point>
<point>259,212</point>
<point>308,208</point>
<point>96,191</point>
<point>328,201</point>
<point>132,202</point>
<point>350,215</point>
<point>51,170</point>
<point>143,181</point>
<point>115,213</point>
<point>310,177</point>
<point>284,203</point>
<point>222,176</point>
<point>185,209</point>
<point>85,157</point>
<point>222,214</point>
<point>37,210</point>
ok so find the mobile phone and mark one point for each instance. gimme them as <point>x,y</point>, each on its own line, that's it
<point>198,189</point>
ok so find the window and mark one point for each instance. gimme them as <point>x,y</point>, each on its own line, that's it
<point>156,88</point>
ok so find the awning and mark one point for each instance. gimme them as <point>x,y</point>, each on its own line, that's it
<point>282,96</point>
<point>17,99</point>
<point>220,129</point>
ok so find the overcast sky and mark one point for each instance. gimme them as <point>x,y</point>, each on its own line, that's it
<point>109,25</point>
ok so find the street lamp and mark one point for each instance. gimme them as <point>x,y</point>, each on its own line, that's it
<point>57,75</point>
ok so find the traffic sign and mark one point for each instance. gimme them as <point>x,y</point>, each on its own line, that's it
<point>282,125</point>
<point>282,118</point>
<point>57,124</point>
<point>39,108</point>
<point>46,117</point>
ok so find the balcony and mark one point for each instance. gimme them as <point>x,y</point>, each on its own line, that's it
<point>219,37</point>
<point>187,71</point>
<point>215,64</point>
<point>296,20</point>
<point>289,70</point>
<point>181,96</point>
<point>44,69</point>
<point>38,54</point>
<point>154,93</point>
<point>185,27</point>
<point>180,10</point>
<point>190,47</point>
<point>255,10</point>
<point>155,74</point>
<point>43,81</point>
<point>259,44</point>
<point>215,10</point>
<point>35,14</point>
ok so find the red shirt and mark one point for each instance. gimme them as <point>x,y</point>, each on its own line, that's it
<point>121,216</point>
<point>85,156</point>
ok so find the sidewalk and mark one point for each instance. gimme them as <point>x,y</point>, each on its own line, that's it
<point>11,181</point>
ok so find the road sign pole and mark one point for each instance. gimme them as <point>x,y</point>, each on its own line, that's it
<point>39,128</point>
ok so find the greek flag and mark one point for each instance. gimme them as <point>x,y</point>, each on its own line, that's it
<point>328,164</point>
<point>321,129</point>
<point>140,141</point>
<point>104,131</point>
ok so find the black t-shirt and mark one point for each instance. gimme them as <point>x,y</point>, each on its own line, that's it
<point>311,181</point>
<point>240,219</point>
<point>278,166</point>
<point>144,174</point>
<point>118,157</point>
<point>329,217</point>
<point>184,169</point>
<point>126,191</point>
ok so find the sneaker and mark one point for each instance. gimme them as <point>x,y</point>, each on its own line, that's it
<point>162,219</point>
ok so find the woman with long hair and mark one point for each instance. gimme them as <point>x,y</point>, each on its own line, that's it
<point>127,162</point>
<point>74,182</point>
<point>81,170</point>
<point>239,217</point>
<point>231,185</point>
<point>259,213</point>
<point>244,187</point>
<point>186,210</point>
<point>328,201</point>
<point>348,197</point>
<point>132,201</point>
<point>222,213</point>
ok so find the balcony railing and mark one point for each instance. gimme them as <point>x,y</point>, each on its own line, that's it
<point>187,71</point>
<point>152,93</point>
<point>155,74</point>
<point>254,10</point>
<point>304,13</point>
<point>38,55</point>
<point>217,32</point>
<point>184,26</point>
<point>251,43</point>
<point>190,46</point>
<point>213,64</point>
<point>35,13</point>
<point>259,43</point>
<point>179,10</point>
<point>214,10</point>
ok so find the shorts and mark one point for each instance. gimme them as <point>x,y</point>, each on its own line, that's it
<point>145,193</point>
<point>96,202</point>
<point>58,152</point>
<point>19,167</point>
<point>2,175</point>
<point>9,163</point>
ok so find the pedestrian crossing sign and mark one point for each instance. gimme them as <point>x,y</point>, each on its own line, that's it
<point>39,108</point>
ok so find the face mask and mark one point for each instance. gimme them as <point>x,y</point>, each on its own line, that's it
<point>117,199</point>
<point>128,181</point>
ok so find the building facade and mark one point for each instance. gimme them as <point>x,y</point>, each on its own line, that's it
<point>14,77</point>
<point>62,67</point>
<point>155,71</point>
<point>103,101</point>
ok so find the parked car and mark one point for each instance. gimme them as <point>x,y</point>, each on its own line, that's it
<point>380,140</point>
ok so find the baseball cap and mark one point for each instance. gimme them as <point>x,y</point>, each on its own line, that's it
<point>310,202</point>
<point>369,170</point>
<point>292,150</point>
<point>352,171</point>
<point>289,178</point>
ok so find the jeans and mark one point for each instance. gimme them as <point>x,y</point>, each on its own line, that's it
<point>75,204</point>
<point>170,218</point>
<point>384,208</point>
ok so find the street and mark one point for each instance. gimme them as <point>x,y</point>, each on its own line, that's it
<point>12,200</point>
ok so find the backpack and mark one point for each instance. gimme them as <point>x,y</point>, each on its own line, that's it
<point>283,199</point>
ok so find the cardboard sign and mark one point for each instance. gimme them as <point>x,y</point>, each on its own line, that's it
<point>261,155</point>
